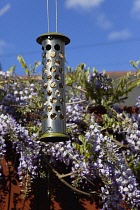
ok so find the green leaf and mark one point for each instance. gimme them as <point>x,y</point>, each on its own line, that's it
<point>36,64</point>
<point>11,70</point>
<point>82,139</point>
<point>81,150</point>
<point>22,62</point>
<point>27,71</point>
<point>135,64</point>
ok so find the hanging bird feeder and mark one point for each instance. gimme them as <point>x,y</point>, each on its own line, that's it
<point>53,87</point>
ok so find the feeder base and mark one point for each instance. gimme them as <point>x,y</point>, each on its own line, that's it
<point>54,137</point>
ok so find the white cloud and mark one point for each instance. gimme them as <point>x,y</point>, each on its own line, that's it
<point>103,22</point>
<point>136,8</point>
<point>3,45</point>
<point>85,4</point>
<point>120,35</point>
<point>4,9</point>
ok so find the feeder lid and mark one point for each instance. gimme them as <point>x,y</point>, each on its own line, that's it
<point>52,35</point>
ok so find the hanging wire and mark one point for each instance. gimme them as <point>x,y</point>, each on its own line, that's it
<point>48,16</point>
<point>56,15</point>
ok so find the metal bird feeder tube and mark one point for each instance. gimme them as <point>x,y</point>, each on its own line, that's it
<point>53,75</point>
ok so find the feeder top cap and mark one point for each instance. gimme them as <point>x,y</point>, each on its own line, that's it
<point>52,35</point>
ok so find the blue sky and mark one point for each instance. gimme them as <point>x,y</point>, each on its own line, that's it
<point>104,33</point>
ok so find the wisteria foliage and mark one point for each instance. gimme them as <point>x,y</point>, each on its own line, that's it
<point>94,151</point>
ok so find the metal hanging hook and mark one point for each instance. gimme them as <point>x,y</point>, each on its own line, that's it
<point>56,15</point>
<point>48,15</point>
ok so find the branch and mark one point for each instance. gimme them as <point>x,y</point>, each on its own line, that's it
<point>119,144</point>
<point>80,89</point>
<point>60,177</point>
<point>125,159</point>
<point>22,106</point>
<point>76,102</point>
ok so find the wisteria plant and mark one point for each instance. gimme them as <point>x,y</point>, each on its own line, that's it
<point>104,141</point>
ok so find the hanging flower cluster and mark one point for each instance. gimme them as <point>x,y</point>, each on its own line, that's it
<point>93,151</point>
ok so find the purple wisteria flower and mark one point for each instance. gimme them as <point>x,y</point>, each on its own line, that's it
<point>90,154</point>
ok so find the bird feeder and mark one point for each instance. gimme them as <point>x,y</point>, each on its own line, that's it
<point>53,86</point>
